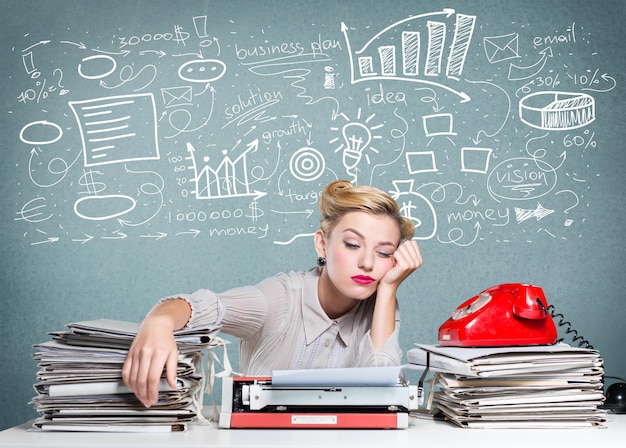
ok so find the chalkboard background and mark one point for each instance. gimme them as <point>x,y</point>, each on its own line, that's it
<point>155,147</point>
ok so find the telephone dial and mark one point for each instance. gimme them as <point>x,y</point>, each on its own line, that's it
<point>507,314</point>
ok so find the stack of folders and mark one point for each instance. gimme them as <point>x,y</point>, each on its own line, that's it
<point>552,386</point>
<point>79,383</point>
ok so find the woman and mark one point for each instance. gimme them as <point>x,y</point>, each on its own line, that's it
<point>342,314</point>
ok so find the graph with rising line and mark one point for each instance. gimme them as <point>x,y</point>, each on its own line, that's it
<point>227,179</point>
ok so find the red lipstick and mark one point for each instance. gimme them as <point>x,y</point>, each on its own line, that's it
<point>363,279</point>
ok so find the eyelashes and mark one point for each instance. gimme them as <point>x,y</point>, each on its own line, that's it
<point>353,246</point>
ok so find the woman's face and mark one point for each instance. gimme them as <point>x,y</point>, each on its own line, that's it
<point>359,252</point>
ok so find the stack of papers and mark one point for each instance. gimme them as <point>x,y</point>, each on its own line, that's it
<point>79,382</point>
<point>552,386</point>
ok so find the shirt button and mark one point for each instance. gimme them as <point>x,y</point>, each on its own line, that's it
<point>327,344</point>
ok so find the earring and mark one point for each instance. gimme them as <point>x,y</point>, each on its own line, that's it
<point>321,261</point>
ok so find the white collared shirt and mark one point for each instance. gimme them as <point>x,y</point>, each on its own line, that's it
<point>281,325</point>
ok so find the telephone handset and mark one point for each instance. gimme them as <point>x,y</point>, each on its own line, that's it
<point>507,314</point>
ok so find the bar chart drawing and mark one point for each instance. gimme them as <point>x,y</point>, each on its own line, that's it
<point>436,40</point>
<point>433,50</point>
<point>410,53</point>
<point>463,30</point>
<point>226,180</point>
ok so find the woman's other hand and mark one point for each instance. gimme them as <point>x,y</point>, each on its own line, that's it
<point>155,349</point>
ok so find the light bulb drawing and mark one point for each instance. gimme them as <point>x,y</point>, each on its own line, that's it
<point>357,139</point>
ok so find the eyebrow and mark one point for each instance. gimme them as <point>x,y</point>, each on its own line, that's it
<point>382,243</point>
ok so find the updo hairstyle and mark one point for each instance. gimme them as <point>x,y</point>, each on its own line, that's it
<point>340,197</point>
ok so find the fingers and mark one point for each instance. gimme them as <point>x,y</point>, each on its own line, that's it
<point>409,255</point>
<point>148,378</point>
<point>170,369</point>
<point>407,258</point>
<point>154,349</point>
<point>143,369</point>
<point>416,254</point>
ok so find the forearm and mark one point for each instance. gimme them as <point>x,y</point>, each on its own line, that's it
<point>407,259</point>
<point>170,314</point>
<point>384,316</point>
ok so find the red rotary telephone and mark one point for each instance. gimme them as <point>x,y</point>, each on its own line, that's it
<point>507,314</point>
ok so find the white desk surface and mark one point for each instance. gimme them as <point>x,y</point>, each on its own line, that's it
<point>421,432</point>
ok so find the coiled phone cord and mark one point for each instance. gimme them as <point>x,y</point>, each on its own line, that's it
<point>576,338</point>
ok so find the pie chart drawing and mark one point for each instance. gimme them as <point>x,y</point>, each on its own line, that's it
<point>557,111</point>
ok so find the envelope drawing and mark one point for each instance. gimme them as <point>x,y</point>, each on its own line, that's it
<point>177,96</point>
<point>501,48</point>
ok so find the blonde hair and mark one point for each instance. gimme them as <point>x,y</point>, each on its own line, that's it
<point>340,197</point>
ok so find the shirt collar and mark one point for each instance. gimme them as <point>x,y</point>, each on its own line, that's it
<point>316,321</point>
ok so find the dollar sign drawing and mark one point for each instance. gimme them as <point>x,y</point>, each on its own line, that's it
<point>256,211</point>
<point>406,209</point>
<point>93,187</point>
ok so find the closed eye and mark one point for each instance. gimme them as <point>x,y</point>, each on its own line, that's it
<point>351,245</point>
